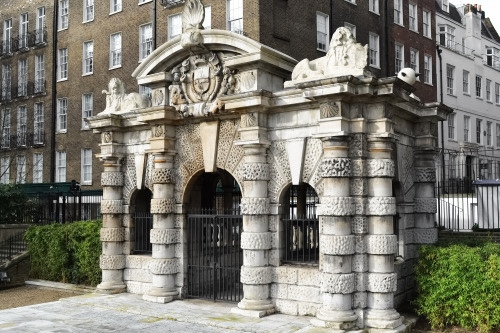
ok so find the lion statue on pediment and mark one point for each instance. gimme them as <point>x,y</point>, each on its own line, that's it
<point>118,100</point>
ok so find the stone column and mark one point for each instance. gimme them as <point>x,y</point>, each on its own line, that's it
<point>112,260</point>
<point>337,244</point>
<point>381,243</point>
<point>255,238</point>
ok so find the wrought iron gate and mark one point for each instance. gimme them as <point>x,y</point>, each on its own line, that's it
<point>215,256</point>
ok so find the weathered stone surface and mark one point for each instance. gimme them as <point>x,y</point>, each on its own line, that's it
<point>254,171</point>
<point>163,176</point>
<point>381,244</point>
<point>164,266</point>
<point>256,240</point>
<point>254,206</point>
<point>111,206</point>
<point>285,275</point>
<point>336,245</point>
<point>112,179</point>
<point>335,167</point>
<point>359,225</point>
<point>112,234</point>
<point>382,283</point>
<point>287,307</point>
<point>304,293</point>
<point>425,236</point>
<point>164,236</point>
<point>380,168</point>
<point>425,175</point>
<point>425,205</point>
<point>337,283</point>
<point>255,275</point>
<point>112,261</point>
<point>162,206</point>
<point>381,206</point>
<point>336,206</point>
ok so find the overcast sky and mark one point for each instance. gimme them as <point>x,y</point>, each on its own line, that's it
<point>490,7</point>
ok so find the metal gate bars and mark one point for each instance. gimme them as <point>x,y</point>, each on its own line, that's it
<point>215,256</point>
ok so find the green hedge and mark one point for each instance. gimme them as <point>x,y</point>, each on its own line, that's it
<point>459,284</point>
<point>66,252</point>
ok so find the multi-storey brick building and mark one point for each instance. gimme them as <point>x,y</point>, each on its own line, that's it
<point>95,41</point>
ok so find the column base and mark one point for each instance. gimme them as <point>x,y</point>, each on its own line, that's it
<point>160,295</point>
<point>339,320</point>
<point>384,319</point>
<point>111,288</point>
<point>254,308</point>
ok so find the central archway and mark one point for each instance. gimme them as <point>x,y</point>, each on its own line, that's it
<point>214,226</point>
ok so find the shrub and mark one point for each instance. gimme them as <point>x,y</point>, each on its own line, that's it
<point>66,252</point>
<point>459,285</point>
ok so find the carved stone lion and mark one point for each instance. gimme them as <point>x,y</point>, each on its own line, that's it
<point>118,100</point>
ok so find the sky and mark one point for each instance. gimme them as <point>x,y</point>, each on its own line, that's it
<point>490,7</point>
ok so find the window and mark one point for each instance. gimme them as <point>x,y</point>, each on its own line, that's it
<point>351,27</point>
<point>427,69</point>
<point>145,90</point>
<point>498,135</point>
<point>412,16</point>
<point>21,126</point>
<point>497,93</point>
<point>488,90</point>
<point>479,88</point>
<point>488,133</point>
<point>23,31</point>
<point>21,169</point>
<point>207,21</point>
<point>145,40</point>
<point>399,56</point>
<point>38,134</point>
<point>479,124</point>
<point>6,128</point>
<point>414,60</point>
<point>37,168</point>
<point>40,26</point>
<point>447,36</point>
<point>62,114</point>
<point>465,82</point>
<point>7,36</point>
<point>62,68</point>
<point>60,166</point>
<point>88,58</point>
<point>398,11</point>
<point>373,6</point>
<point>22,77</point>
<point>322,31</point>
<point>445,6</point>
<point>351,1</point>
<point>88,10</point>
<point>87,108</point>
<point>6,82</point>
<point>453,166</point>
<point>39,73</point>
<point>86,176</point>
<point>492,57</point>
<point>4,170</point>
<point>450,78</point>
<point>466,128</point>
<point>451,126</point>
<point>174,26</point>
<point>143,1</point>
<point>235,16</point>
<point>374,55</point>
<point>115,6</point>
<point>426,23</point>
<point>115,50</point>
<point>63,14</point>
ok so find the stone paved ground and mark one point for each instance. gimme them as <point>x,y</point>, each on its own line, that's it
<point>29,295</point>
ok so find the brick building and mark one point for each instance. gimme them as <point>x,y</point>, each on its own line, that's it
<point>97,40</point>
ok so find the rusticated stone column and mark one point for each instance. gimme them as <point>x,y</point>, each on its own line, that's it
<point>112,260</point>
<point>163,265</point>
<point>337,244</point>
<point>255,238</point>
<point>381,243</point>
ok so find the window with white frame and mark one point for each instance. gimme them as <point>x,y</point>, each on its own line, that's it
<point>22,77</point>
<point>497,93</point>
<point>88,10</point>
<point>373,6</point>
<point>447,36</point>
<point>466,128</point>
<point>115,50</point>
<point>374,54</point>
<point>145,40</point>
<point>479,126</point>
<point>322,31</point>
<point>6,81</point>
<point>426,23</point>
<point>351,27</point>
<point>23,31</point>
<point>479,86</point>
<point>414,60</point>
<point>63,14</point>
<point>427,69</point>
<point>398,11</point>
<point>86,176</point>
<point>465,82</point>
<point>88,58</point>
<point>145,90</point>
<point>492,57</point>
<point>351,1</point>
<point>488,90</point>
<point>21,169</point>
<point>498,135</point>
<point>21,126</point>
<point>235,16</point>
<point>60,166</point>
<point>399,57</point>
<point>412,17</point>
<point>450,79</point>
<point>445,6</point>
<point>37,168</point>
<point>7,36</point>
<point>40,26</point>
<point>5,128</point>
<point>62,115</point>
<point>174,26</point>
<point>488,133</point>
<point>5,170</point>
<point>453,166</point>
<point>144,1</point>
<point>38,135</point>
<point>207,20</point>
<point>87,108</point>
<point>451,126</point>
<point>62,68</point>
<point>39,73</point>
<point>115,6</point>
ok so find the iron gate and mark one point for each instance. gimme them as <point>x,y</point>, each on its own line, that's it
<point>215,256</point>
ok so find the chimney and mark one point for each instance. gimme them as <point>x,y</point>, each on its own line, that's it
<point>472,22</point>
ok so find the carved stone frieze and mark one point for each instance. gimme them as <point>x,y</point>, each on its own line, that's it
<point>425,205</point>
<point>112,234</point>
<point>112,261</point>
<point>129,176</point>
<point>335,167</point>
<point>359,263</point>
<point>425,175</point>
<point>256,275</point>
<point>254,171</point>
<point>255,240</point>
<point>158,97</point>
<point>358,146</point>
<point>337,245</point>
<point>380,168</point>
<point>164,266</point>
<point>329,110</point>
<point>314,149</point>
<point>337,283</point>
<point>359,186</point>
<point>249,120</point>
<point>111,206</point>
<point>358,167</point>
<point>112,179</point>
<point>254,206</point>
<point>380,206</point>
<point>336,206</point>
<point>163,176</point>
<point>359,225</point>
<point>382,282</point>
<point>381,244</point>
<point>162,206</point>
<point>158,131</point>
<point>107,137</point>
<point>164,236</point>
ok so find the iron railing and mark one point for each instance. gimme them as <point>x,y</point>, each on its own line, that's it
<point>143,223</point>
<point>12,246</point>
<point>301,239</point>
<point>23,140</point>
<point>39,37</point>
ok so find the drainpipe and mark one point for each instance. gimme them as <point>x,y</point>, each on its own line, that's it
<point>386,32</point>
<point>154,25</point>
<point>54,95</point>
<point>331,20</point>
<point>439,51</point>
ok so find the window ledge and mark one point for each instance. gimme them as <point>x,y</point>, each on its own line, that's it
<point>113,13</point>
<point>116,67</point>
<point>62,80</point>
<point>87,74</point>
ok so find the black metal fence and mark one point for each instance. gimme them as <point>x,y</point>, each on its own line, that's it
<point>467,190</point>
<point>12,246</point>
<point>301,239</point>
<point>143,223</point>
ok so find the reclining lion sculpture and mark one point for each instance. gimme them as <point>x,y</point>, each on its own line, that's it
<point>118,100</point>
